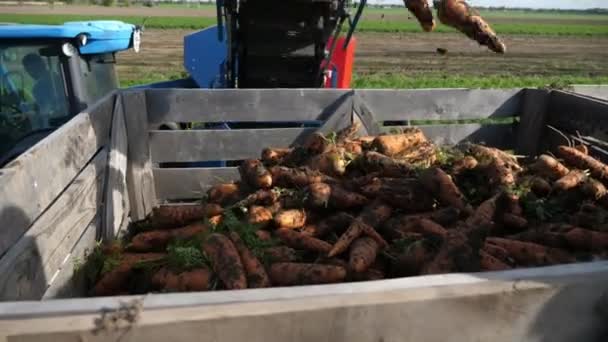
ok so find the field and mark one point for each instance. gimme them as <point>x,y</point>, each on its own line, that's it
<point>543,47</point>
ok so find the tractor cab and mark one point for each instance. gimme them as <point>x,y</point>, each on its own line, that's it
<point>50,73</point>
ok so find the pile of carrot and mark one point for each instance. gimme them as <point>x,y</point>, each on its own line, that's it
<point>344,208</point>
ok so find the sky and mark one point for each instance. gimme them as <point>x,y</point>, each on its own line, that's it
<point>564,4</point>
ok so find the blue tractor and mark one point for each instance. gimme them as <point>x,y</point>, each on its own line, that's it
<point>49,73</point>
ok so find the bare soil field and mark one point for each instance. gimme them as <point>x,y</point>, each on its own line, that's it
<point>410,54</point>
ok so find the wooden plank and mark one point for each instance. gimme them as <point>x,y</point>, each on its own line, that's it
<point>219,105</point>
<point>66,284</point>
<point>532,121</point>
<point>428,308</point>
<point>442,104</point>
<point>500,136</point>
<point>29,265</point>
<point>190,183</point>
<point>202,145</point>
<point>116,197</point>
<point>365,116</point>
<point>34,180</point>
<point>573,113</point>
<point>599,91</point>
<point>140,181</point>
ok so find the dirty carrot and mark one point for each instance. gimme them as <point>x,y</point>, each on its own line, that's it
<point>287,274</point>
<point>254,173</point>
<point>490,263</point>
<point>549,167</point>
<point>290,218</point>
<point>225,260</point>
<point>181,215</point>
<point>392,144</point>
<point>582,161</point>
<point>302,241</point>
<point>223,194</point>
<point>570,181</point>
<point>363,252</point>
<point>115,281</point>
<point>256,274</point>
<point>441,185</point>
<point>198,279</point>
<point>157,240</point>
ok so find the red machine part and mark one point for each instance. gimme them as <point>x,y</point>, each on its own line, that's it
<point>341,64</point>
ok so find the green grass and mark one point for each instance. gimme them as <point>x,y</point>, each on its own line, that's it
<point>573,29</point>
<point>457,81</point>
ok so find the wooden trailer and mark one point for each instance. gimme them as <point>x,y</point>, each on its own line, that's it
<point>108,166</point>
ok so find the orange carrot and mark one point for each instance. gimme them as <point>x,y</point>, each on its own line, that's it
<point>547,166</point>
<point>514,221</point>
<point>594,189</point>
<point>115,281</point>
<point>290,219</point>
<point>455,243</point>
<point>274,156</point>
<point>181,215</point>
<point>296,177</point>
<point>259,215</point>
<point>411,261</point>
<point>333,195</point>
<point>585,239</point>
<point>582,161</point>
<point>254,173</point>
<point>582,148</point>
<point>224,193</point>
<point>490,263</point>
<point>484,214</point>
<point>198,279</point>
<point>316,143</point>
<point>528,253</point>
<point>465,164</point>
<point>442,186</point>
<point>225,260</point>
<point>363,252</point>
<point>256,274</point>
<point>427,227</point>
<point>331,163</point>
<point>392,144</point>
<point>570,181</point>
<point>288,274</point>
<point>157,240</point>
<point>302,241</point>
<point>336,222</point>
<point>281,254</point>
<point>422,12</point>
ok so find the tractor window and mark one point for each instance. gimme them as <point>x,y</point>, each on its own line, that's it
<point>99,75</point>
<point>33,99</point>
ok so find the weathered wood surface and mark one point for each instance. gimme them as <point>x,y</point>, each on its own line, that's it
<point>574,113</point>
<point>116,196</point>
<point>66,284</point>
<point>532,122</point>
<point>494,135</point>
<point>219,105</point>
<point>202,145</point>
<point>34,180</point>
<point>31,263</point>
<point>140,181</point>
<point>562,303</point>
<point>190,183</point>
<point>442,104</point>
<point>599,91</point>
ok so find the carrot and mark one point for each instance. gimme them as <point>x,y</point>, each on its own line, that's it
<point>181,215</point>
<point>422,12</point>
<point>422,155</point>
<point>490,263</point>
<point>288,274</point>
<point>407,194</point>
<point>275,156</point>
<point>216,220</point>
<point>587,240</point>
<point>411,261</point>
<point>254,173</point>
<point>429,228</point>
<point>594,189</point>
<point>363,252</point>
<point>549,167</point>
<point>392,144</point>
<point>290,218</point>
<point>373,215</point>
<point>370,274</point>
<point>496,251</point>
<point>539,186</point>
<point>157,240</point>
<point>259,215</point>
<point>336,222</point>
<point>281,254</point>
<point>296,177</point>
<point>225,260</point>
<point>528,253</point>
<point>514,221</point>
<point>570,181</point>
<point>331,163</point>
<point>443,187</point>
<point>347,133</point>
<point>263,235</point>
<point>302,241</point>
<point>499,166</point>
<point>465,164</point>
<point>264,197</point>
<point>353,147</point>
<point>224,193</point>
<point>316,143</point>
<point>198,279</point>
<point>115,281</point>
<point>333,195</point>
<point>372,233</point>
<point>582,148</point>
<point>582,161</point>
<point>371,161</point>
<point>457,244</point>
<point>484,214</point>
<point>256,274</point>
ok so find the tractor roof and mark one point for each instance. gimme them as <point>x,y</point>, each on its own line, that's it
<point>102,35</point>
